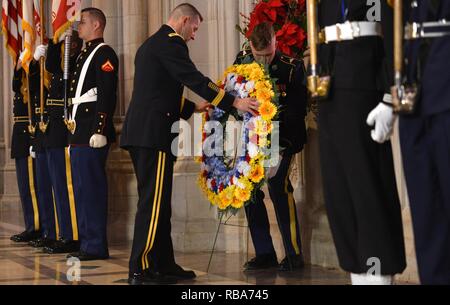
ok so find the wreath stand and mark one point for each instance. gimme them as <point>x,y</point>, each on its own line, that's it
<point>222,223</point>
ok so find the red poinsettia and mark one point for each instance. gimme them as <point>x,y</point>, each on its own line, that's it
<point>291,39</point>
<point>289,21</point>
<point>272,11</point>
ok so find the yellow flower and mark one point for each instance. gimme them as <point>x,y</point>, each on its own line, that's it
<point>237,204</point>
<point>226,197</point>
<point>257,174</point>
<point>243,194</point>
<point>256,74</point>
<point>264,95</point>
<point>267,111</point>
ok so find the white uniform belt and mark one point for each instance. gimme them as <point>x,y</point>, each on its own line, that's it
<point>88,97</point>
<point>427,30</point>
<point>351,30</point>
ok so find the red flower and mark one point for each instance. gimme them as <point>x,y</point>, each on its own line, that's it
<point>291,37</point>
<point>267,11</point>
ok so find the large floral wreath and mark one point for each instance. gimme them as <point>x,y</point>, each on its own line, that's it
<point>231,184</point>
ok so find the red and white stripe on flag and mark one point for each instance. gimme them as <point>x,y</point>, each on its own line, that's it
<point>12,27</point>
<point>30,24</point>
<point>64,13</point>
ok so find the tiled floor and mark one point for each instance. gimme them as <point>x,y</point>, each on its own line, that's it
<point>22,265</point>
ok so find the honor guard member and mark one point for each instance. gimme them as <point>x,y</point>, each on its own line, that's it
<point>94,96</point>
<point>56,147</point>
<point>358,174</point>
<point>425,135</point>
<point>49,221</point>
<point>290,76</point>
<point>163,68</point>
<point>25,167</point>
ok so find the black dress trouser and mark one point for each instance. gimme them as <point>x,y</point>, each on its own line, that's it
<point>359,185</point>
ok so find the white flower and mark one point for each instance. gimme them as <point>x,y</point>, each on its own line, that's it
<point>250,86</point>
<point>243,167</point>
<point>230,82</point>
<point>253,150</point>
<point>238,184</point>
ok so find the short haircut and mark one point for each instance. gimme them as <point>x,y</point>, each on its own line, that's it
<point>262,36</point>
<point>185,9</point>
<point>97,14</point>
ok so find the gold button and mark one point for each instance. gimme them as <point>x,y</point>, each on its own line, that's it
<point>99,131</point>
<point>284,94</point>
<point>73,82</point>
<point>100,124</point>
<point>87,110</point>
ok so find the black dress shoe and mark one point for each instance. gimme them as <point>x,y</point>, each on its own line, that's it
<point>262,262</point>
<point>74,255</point>
<point>86,257</point>
<point>150,278</point>
<point>292,263</point>
<point>180,274</point>
<point>41,243</point>
<point>63,247</point>
<point>25,237</point>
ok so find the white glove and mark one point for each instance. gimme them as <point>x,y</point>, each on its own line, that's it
<point>383,118</point>
<point>98,141</point>
<point>21,56</point>
<point>32,153</point>
<point>41,51</point>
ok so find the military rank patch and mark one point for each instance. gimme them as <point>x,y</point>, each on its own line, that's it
<point>108,67</point>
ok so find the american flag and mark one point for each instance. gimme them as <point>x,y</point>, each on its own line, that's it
<point>12,27</point>
<point>31,24</point>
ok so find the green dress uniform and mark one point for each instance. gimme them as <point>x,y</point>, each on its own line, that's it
<point>290,80</point>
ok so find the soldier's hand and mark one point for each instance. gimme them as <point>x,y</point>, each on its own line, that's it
<point>32,152</point>
<point>383,118</point>
<point>247,105</point>
<point>202,107</point>
<point>98,141</point>
<point>40,51</point>
<point>20,60</point>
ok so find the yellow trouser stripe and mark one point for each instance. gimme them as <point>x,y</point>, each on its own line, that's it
<point>56,216</point>
<point>292,211</point>
<point>159,200</point>
<point>73,211</point>
<point>145,253</point>
<point>183,101</point>
<point>33,194</point>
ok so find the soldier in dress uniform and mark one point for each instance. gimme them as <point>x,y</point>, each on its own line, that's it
<point>93,92</point>
<point>358,174</point>
<point>291,82</point>
<point>49,220</point>
<point>425,136</point>
<point>25,165</point>
<point>56,147</point>
<point>163,68</point>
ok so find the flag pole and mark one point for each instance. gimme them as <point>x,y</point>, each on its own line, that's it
<point>67,43</point>
<point>42,125</point>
